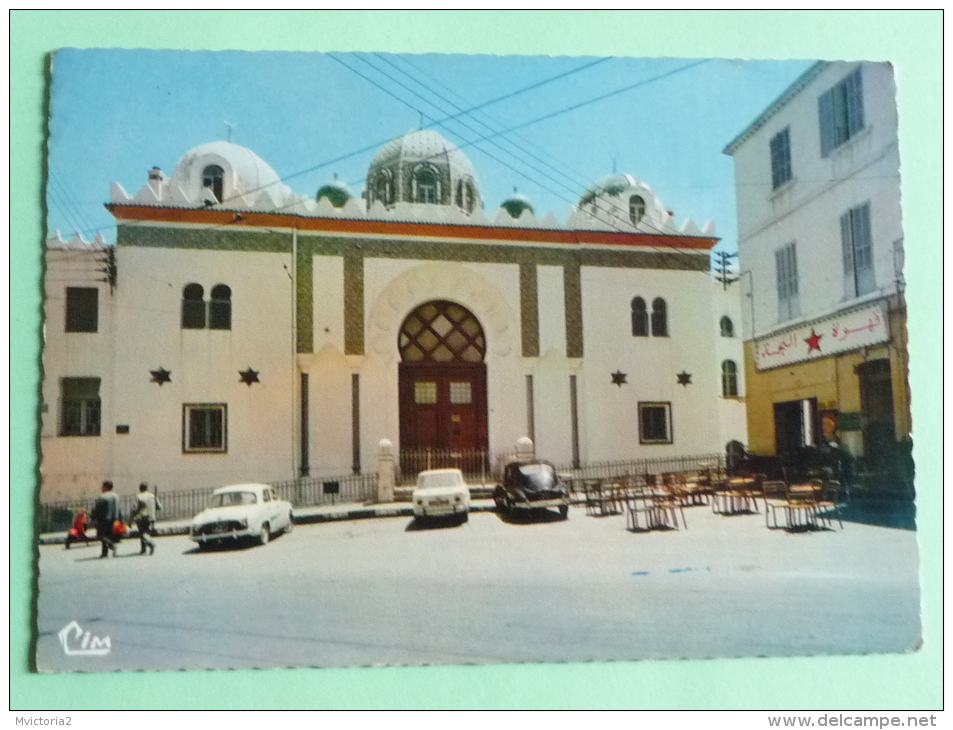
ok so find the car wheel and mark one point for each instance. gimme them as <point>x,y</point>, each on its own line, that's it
<point>291,524</point>
<point>564,511</point>
<point>464,517</point>
<point>265,534</point>
<point>499,497</point>
<point>204,546</point>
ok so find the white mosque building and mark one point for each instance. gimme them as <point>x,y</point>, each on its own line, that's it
<point>238,331</point>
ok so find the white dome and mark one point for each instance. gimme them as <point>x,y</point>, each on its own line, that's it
<point>621,202</point>
<point>244,174</point>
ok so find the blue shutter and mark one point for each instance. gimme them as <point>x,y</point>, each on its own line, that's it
<point>855,103</point>
<point>863,249</point>
<point>825,111</point>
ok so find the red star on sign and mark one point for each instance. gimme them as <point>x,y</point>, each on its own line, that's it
<point>814,341</point>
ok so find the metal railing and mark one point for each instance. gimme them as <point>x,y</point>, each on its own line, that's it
<point>636,467</point>
<point>472,462</point>
<point>184,504</point>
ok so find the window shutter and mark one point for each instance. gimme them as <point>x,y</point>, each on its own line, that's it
<point>855,103</point>
<point>847,253</point>
<point>825,110</point>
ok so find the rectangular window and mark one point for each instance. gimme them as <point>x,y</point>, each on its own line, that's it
<point>79,407</point>
<point>425,392</point>
<point>841,112</point>
<point>781,158</point>
<point>655,423</point>
<point>857,251</point>
<point>461,393</point>
<point>82,309</point>
<point>204,428</point>
<point>785,262</point>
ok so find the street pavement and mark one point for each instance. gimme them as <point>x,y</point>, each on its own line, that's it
<point>390,591</point>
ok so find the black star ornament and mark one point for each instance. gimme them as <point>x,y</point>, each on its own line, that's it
<point>249,376</point>
<point>684,378</point>
<point>618,378</point>
<point>160,376</point>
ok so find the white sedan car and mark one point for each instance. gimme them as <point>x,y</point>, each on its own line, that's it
<point>441,492</point>
<point>240,512</point>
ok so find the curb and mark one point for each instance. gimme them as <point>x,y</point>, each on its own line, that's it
<point>305,518</point>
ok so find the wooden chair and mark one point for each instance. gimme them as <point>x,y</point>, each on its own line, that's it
<point>640,510</point>
<point>802,505</point>
<point>593,492</point>
<point>669,504</point>
<point>829,502</point>
<point>775,497</point>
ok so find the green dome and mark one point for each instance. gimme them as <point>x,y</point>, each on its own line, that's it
<point>515,204</point>
<point>336,192</point>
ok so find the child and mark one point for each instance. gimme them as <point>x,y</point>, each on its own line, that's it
<point>77,530</point>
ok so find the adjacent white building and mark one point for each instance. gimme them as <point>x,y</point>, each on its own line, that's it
<point>821,254</point>
<point>239,331</point>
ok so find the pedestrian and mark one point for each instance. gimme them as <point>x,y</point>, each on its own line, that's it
<point>105,514</point>
<point>77,530</point>
<point>145,518</point>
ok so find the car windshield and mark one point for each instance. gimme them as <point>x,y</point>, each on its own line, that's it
<point>448,479</point>
<point>229,499</point>
<point>540,476</point>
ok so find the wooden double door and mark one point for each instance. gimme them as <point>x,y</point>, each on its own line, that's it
<point>443,406</point>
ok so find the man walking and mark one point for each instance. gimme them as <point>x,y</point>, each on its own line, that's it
<point>105,513</point>
<point>145,518</point>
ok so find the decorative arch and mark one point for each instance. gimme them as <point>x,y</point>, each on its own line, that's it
<point>659,318</point>
<point>727,327</point>
<point>436,281</point>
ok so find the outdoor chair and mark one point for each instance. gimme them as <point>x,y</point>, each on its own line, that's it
<point>774,494</point>
<point>640,512</point>
<point>829,502</point>
<point>593,492</point>
<point>669,504</point>
<point>802,505</point>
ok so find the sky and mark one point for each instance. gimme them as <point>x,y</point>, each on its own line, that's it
<point>547,126</point>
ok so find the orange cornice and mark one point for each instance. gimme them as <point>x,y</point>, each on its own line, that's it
<point>247,219</point>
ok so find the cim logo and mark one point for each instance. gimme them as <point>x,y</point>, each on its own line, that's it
<point>78,642</point>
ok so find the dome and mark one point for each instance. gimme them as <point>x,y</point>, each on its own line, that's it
<point>337,192</point>
<point>228,171</point>
<point>610,185</point>
<point>516,203</point>
<point>422,167</point>
<point>621,199</point>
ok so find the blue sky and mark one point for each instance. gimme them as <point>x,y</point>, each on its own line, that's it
<point>116,113</point>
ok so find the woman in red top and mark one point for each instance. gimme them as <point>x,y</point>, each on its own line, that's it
<point>77,530</point>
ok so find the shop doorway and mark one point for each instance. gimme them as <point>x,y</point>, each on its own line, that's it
<point>795,425</point>
<point>876,405</point>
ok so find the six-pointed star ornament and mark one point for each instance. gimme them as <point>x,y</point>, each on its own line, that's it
<point>249,376</point>
<point>684,378</point>
<point>618,378</point>
<point>814,341</point>
<point>160,376</point>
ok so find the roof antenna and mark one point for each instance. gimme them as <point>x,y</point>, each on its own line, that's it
<point>421,120</point>
<point>229,126</point>
<point>613,164</point>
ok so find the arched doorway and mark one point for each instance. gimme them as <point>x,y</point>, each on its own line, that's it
<point>442,388</point>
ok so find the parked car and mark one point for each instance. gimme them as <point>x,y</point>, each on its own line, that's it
<point>441,492</point>
<point>241,512</point>
<point>531,485</point>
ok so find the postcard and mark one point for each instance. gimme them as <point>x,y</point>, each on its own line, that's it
<point>366,359</point>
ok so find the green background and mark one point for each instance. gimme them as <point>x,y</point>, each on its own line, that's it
<point>910,39</point>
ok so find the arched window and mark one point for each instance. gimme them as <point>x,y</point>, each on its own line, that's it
<point>425,186</point>
<point>729,378</point>
<point>441,332</point>
<point>636,208</point>
<point>220,308</point>
<point>384,188</point>
<point>465,197</point>
<point>640,318</point>
<point>659,318</point>
<point>212,177</point>
<point>193,307</point>
<point>727,327</point>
